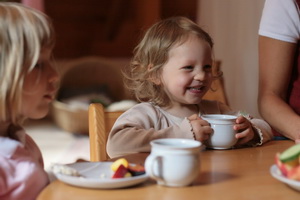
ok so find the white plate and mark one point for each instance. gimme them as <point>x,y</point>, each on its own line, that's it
<point>98,175</point>
<point>276,173</point>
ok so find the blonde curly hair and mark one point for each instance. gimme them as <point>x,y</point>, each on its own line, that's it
<point>152,53</point>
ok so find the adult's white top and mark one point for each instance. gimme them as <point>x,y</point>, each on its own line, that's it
<point>281,20</point>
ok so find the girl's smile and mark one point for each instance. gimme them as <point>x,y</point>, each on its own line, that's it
<point>197,89</point>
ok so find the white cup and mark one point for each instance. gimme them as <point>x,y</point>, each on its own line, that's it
<point>174,162</point>
<point>223,136</point>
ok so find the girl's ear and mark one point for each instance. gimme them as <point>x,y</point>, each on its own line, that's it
<point>155,80</point>
<point>153,77</point>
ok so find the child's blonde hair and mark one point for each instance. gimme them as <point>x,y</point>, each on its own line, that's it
<point>152,53</point>
<point>24,32</point>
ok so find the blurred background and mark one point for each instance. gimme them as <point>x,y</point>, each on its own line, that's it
<point>112,28</point>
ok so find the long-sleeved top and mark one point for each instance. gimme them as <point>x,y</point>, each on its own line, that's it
<point>144,122</point>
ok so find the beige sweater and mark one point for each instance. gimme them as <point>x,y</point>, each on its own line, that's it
<point>135,128</point>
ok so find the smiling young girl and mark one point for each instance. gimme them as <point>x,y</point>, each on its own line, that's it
<point>27,85</point>
<point>170,73</point>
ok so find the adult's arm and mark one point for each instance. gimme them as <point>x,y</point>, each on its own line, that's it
<point>275,67</point>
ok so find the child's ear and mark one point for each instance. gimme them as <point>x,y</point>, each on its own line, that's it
<point>155,80</point>
<point>153,77</point>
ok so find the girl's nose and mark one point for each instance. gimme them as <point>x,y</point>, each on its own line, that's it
<point>53,76</point>
<point>199,76</point>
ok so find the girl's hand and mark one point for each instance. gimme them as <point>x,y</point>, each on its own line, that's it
<point>245,130</point>
<point>201,128</point>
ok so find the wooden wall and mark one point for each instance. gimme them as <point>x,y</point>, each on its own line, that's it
<point>109,28</point>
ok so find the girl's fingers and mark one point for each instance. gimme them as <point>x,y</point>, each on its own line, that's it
<point>204,123</point>
<point>244,134</point>
<point>241,127</point>
<point>198,122</point>
<point>240,119</point>
<point>201,124</point>
<point>244,137</point>
<point>193,117</point>
<point>205,134</point>
<point>201,129</point>
<point>242,141</point>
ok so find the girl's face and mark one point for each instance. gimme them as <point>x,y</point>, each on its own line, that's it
<point>187,75</point>
<point>39,87</point>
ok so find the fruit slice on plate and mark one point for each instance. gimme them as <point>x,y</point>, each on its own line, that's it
<point>136,169</point>
<point>117,163</point>
<point>291,154</point>
<point>288,162</point>
<point>284,168</point>
<point>122,168</point>
<point>294,173</point>
<point>121,172</point>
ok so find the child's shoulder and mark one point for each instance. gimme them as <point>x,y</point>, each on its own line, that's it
<point>141,112</point>
<point>145,107</point>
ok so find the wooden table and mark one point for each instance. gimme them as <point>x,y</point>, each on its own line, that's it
<point>225,174</point>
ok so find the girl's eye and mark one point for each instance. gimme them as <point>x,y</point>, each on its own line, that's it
<point>207,67</point>
<point>189,67</point>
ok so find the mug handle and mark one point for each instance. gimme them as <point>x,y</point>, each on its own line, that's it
<point>150,169</point>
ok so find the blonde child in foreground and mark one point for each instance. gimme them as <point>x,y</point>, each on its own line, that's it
<point>170,73</point>
<point>28,84</point>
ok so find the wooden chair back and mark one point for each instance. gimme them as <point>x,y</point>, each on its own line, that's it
<point>100,123</point>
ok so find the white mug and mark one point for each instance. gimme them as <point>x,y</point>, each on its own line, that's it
<point>174,162</point>
<point>223,136</point>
